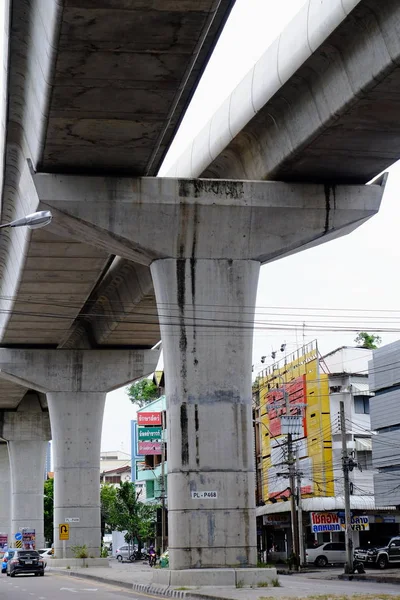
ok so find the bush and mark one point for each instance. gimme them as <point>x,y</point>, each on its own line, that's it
<point>80,551</point>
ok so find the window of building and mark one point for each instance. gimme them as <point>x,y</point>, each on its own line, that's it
<point>364,459</point>
<point>150,489</point>
<point>361,405</point>
<point>113,478</point>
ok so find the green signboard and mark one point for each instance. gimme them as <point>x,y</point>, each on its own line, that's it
<point>150,433</point>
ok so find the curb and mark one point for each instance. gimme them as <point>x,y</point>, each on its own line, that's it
<point>161,590</point>
<point>80,575</point>
<point>149,588</point>
<point>394,580</point>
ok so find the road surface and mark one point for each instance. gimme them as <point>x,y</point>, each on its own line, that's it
<point>57,586</point>
<point>54,586</point>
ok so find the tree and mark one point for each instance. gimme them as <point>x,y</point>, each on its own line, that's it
<point>133,516</point>
<point>108,495</point>
<point>48,510</point>
<point>368,340</point>
<point>142,392</point>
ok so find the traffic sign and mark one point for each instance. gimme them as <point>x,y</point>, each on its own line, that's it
<point>63,530</point>
<point>150,433</point>
<point>18,536</point>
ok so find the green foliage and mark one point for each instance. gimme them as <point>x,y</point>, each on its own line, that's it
<point>104,552</point>
<point>142,392</point>
<point>275,582</point>
<point>48,510</point>
<point>368,340</point>
<point>80,551</point>
<point>133,516</point>
<point>108,495</point>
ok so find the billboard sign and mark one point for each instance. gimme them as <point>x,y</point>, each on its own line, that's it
<point>28,539</point>
<point>149,433</point>
<point>149,418</point>
<point>330,521</point>
<point>276,408</point>
<point>147,448</point>
<point>3,542</point>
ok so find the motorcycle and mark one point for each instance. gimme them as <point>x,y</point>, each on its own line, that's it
<point>152,560</point>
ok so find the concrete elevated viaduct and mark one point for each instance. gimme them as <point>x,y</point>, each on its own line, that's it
<point>95,93</point>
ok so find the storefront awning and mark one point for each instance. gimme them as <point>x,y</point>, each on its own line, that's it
<point>360,389</point>
<point>326,504</point>
<point>363,444</point>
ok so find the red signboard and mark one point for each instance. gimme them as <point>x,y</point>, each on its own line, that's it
<point>149,418</point>
<point>149,448</point>
<point>296,390</point>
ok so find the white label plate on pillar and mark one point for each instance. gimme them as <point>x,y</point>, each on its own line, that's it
<point>72,519</point>
<point>204,495</point>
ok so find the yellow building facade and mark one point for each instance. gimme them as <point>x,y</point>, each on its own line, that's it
<point>297,377</point>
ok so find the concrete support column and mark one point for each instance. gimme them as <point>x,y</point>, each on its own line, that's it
<point>5,492</point>
<point>27,460</point>
<point>28,431</point>
<point>76,420</point>
<point>76,383</point>
<point>206,310</point>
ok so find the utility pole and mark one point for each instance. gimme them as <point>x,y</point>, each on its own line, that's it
<point>162,484</point>
<point>299,510</point>
<point>347,512</point>
<point>292,483</point>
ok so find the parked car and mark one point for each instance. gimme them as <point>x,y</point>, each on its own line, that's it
<point>6,557</point>
<point>380,556</point>
<point>125,553</point>
<point>25,561</point>
<point>330,553</point>
<point>46,553</point>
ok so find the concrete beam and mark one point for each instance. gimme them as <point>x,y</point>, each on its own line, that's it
<point>75,370</point>
<point>319,105</point>
<point>152,218</point>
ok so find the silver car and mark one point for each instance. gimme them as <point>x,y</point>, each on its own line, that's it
<point>125,552</point>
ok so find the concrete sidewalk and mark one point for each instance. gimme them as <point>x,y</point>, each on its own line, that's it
<point>138,576</point>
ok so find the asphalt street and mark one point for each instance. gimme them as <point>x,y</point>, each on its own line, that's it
<point>54,586</point>
<point>57,586</point>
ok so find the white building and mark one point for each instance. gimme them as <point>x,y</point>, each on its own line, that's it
<point>113,459</point>
<point>385,417</point>
<point>348,382</point>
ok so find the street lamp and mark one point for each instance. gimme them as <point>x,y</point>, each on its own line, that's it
<point>33,221</point>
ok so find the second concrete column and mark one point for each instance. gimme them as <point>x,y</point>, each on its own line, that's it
<point>5,493</point>
<point>76,420</point>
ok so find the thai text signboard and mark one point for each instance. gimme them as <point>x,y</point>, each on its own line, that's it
<point>330,521</point>
<point>148,448</point>
<point>149,418</point>
<point>149,433</point>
